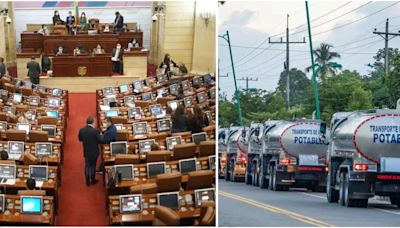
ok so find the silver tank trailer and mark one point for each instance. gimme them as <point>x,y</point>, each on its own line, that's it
<point>221,140</point>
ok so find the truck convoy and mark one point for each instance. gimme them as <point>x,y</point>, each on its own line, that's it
<point>236,154</point>
<point>364,157</point>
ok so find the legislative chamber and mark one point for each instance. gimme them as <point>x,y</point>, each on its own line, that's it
<point>142,75</point>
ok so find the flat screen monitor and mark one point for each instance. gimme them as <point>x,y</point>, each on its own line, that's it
<point>23,127</point>
<point>54,102</point>
<point>145,145</point>
<point>118,148</point>
<point>34,100</point>
<point>56,92</point>
<point>130,203</point>
<point>201,97</point>
<point>52,113</point>
<point>50,129</point>
<point>162,92</point>
<point>129,100</point>
<point>39,172</point>
<point>126,171</point>
<point>108,100</point>
<point>212,93</point>
<point>155,168</point>
<point>169,199</point>
<point>185,85</point>
<point>134,113</point>
<point>2,202</point>
<point>10,110</point>
<point>197,80</point>
<point>187,165</point>
<point>209,116</point>
<point>147,96</point>
<point>156,110</point>
<point>8,171</point>
<point>15,149</point>
<point>123,88</point>
<point>205,194</point>
<point>108,91</point>
<point>43,149</point>
<point>31,115</point>
<point>28,84</point>
<point>17,98</point>
<point>112,113</point>
<point>137,86</point>
<point>188,101</point>
<point>173,105</point>
<point>207,78</point>
<point>161,78</point>
<point>140,128</point>
<point>173,89</point>
<point>31,204</point>
<point>198,137</point>
<point>211,162</point>
<point>172,141</point>
<point>163,125</point>
<point>3,125</point>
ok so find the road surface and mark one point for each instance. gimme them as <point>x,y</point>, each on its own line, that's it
<point>246,205</point>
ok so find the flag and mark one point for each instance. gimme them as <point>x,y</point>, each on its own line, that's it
<point>76,12</point>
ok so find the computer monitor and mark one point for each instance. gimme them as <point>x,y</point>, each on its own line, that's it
<point>145,145</point>
<point>209,116</point>
<point>3,125</point>
<point>52,113</point>
<point>51,129</point>
<point>126,171</point>
<point>198,137</point>
<point>156,110</point>
<point>173,105</point>
<point>2,202</point>
<point>212,93</point>
<point>173,89</point>
<point>196,80</point>
<point>31,114</point>
<point>3,92</point>
<point>185,85</point>
<point>108,91</point>
<point>168,199</point>
<point>31,204</point>
<point>56,92</point>
<point>8,171</point>
<point>17,98</point>
<point>39,172</point>
<point>129,100</point>
<point>211,162</point>
<point>188,101</point>
<point>205,194</point>
<point>134,113</point>
<point>123,88</point>
<point>201,97</point>
<point>187,165</point>
<point>43,149</point>
<point>155,168</point>
<point>10,109</point>
<point>140,128</point>
<point>162,92</point>
<point>23,127</point>
<point>28,84</point>
<point>119,127</point>
<point>34,100</point>
<point>39,88</point>
<point>108,100</point>
<point>130,203</point>
<point>147,96</point>
<point>161,78</point>
<point>137,86</point>
<point>207,78</point>
<point>172,141</point>
<point>112,113</point>
<point>163,125</point>
<point>54,102</point>
<point>15,149</point>
<point>118,148</point>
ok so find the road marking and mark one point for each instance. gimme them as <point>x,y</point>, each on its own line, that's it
<point>387,211</point>
<point>312,195</point>
<point>278,210</point>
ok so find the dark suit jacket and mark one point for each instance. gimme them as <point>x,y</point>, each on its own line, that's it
<point>120,23</point>
<point>33,69</point>
<point>120,55</point>
<point>90,138</point>
<point>110,135</point>
<point>2,69</point>
<point>70,20</point>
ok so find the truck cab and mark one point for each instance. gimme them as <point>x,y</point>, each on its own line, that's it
<point>253,153</point>
<point>236,151</point>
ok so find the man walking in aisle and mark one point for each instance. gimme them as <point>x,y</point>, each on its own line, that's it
<point>34,70</point>
<point>90,138</point>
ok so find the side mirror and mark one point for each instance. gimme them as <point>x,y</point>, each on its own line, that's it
<point>322,128</point>
<point>244,133</point>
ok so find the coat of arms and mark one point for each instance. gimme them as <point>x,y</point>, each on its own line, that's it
<point>82,70</point>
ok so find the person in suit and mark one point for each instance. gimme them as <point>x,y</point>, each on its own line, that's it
<point>117,59</point>
<point>110,135</point>
<point>90,138</point>
<point>70,22</point>
<point>98,50</point>
<point>57,19</point>
<point>118,22</point>
<point>179,120</point>
<point>167,62</point>
<point>34,71</point>
<point>60,50</point>
<point>2,67</point>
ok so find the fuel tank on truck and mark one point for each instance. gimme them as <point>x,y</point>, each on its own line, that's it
<point>373,135</point>
<point>297,137</point>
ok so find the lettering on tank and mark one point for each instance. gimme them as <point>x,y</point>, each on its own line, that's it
<point>306,136</point>
<point>385,133</point>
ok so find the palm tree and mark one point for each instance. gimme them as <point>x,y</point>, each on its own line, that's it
<point>323,61</point>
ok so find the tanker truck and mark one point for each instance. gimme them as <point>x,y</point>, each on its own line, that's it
<point>364,157</point>
<point>236,153</point>
<point>293,154</point>
<point>253,153</point>
<point>222,136</point>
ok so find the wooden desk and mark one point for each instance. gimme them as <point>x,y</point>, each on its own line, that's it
<point>67,66</point>
<point>31,40</point>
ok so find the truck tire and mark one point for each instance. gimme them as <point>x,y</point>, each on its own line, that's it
<point>227,172</point>
<point>275,186</point>
<point>233,172</point>
<point>271,168</point>
<point>395,200</point>
<point>362,203</point>
<point>255,177</point>
<point>248,179</point>
<point>331,193</point>
<point>345,197</point>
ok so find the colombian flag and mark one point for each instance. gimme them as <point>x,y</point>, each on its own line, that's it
<point>76,12</point>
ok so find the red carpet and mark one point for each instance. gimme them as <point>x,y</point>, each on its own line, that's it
<point>79,205</point>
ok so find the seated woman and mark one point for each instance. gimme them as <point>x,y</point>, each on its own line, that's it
<point>83,22</point>
<point>106,28</point>
<point>77,51</point>
<point>98,50</point>
<point>179,120</point>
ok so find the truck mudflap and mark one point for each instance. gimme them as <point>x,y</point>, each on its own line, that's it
<point>387,183</point>
<point>290,174</point>
<point>367,184</point>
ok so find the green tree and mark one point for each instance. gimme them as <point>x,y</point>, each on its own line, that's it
<point>324,59</point>
<point>300,86</point>
<point>392,82</point>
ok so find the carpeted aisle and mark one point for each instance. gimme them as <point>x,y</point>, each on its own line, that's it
<point>79,204</point>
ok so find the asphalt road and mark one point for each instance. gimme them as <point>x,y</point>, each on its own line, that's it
<point>246,205</point>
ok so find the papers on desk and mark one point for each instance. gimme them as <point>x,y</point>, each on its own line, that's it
<point>144,49</point>
<point>114,59</point>
<point>39,184</point>
<point>104,107</point>
<point>10,182</point>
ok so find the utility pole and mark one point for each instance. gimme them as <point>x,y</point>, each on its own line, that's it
<point>386,38</point>
<point>287,42</point>
<point>247,79</point>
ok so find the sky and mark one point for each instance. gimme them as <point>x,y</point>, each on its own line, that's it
<point>348,26</point>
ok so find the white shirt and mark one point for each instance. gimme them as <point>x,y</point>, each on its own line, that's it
<point>115,58</point>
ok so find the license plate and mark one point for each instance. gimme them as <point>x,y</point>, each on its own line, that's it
<point>390,164</point>
<point>308,159</point>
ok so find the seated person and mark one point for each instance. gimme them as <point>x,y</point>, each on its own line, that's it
<point>117,58</point>
<point>4,155</point>
<point>167,63</point>
<point>179,120</point>
<point>106,28</point>
<point>98,50</point>
<point>132,44</point>
<point>77,51</point>
<point>43,30</point>
<point>125,28</point>
<point>183,69</point>
<point>60,50</point>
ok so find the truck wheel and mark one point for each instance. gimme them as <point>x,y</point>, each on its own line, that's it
<point>347,201</point>
<point>395,200</point>
<point>331,194</point>
<point>233,173</point>
<point>248,179</point>
<point>255,177</point>
<point>341,189</point>
<point>275,186</point>
<point>362,203</point>
<point>271,174</point>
